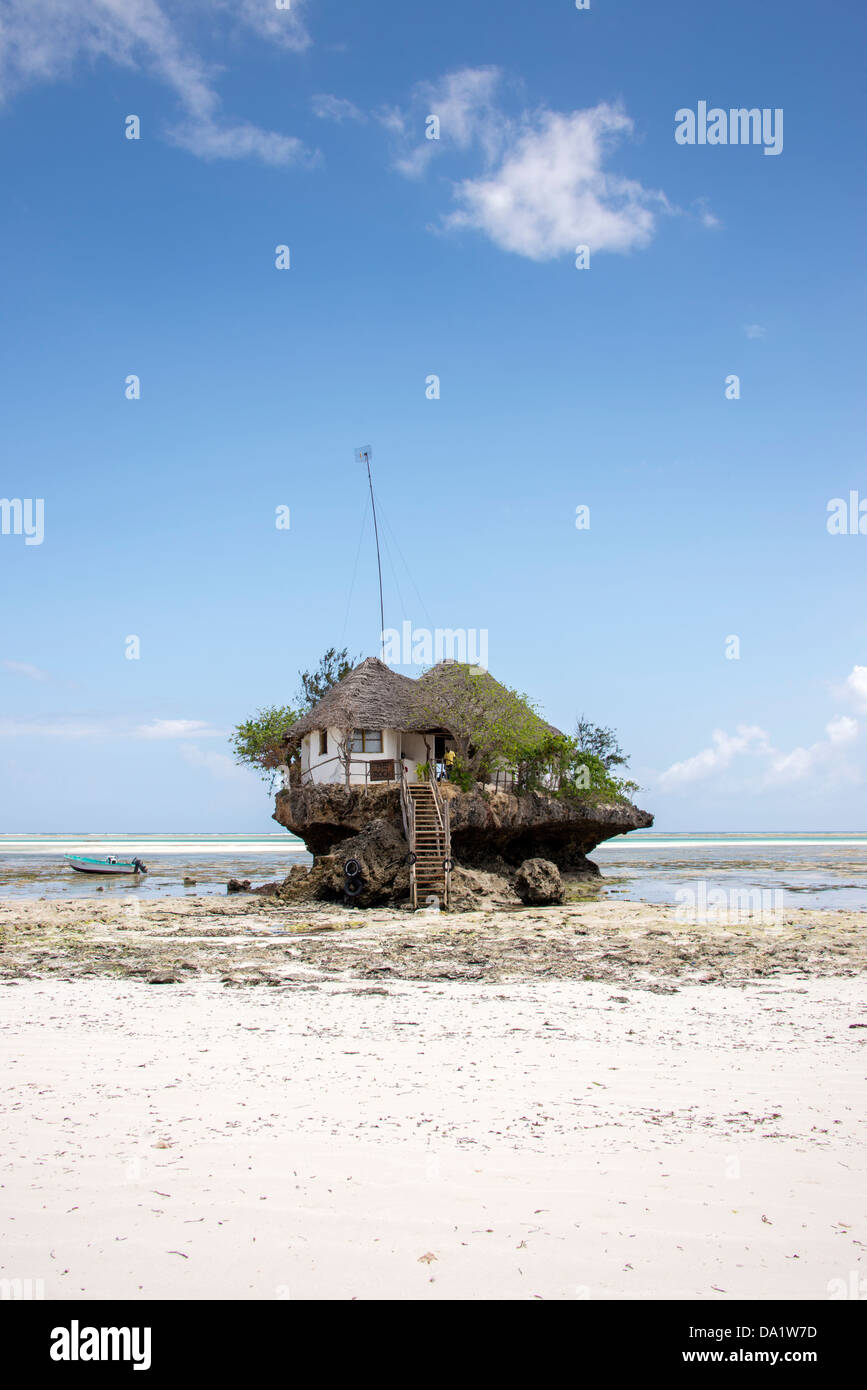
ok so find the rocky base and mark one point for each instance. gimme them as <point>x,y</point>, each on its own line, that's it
<point>506,849</point>
<point>491,830</point>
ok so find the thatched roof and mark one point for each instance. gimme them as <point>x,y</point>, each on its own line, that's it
<point>372,696</point>
<point>480,675</point>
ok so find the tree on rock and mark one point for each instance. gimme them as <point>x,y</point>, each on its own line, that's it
<point>490,723</point>
<point>259,742</point>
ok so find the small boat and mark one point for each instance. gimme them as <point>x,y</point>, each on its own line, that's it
<point>110,865</point>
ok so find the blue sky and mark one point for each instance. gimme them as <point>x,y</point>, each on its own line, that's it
<point>559,387</point>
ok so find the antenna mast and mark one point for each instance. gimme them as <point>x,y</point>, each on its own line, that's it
<point>363,456</point>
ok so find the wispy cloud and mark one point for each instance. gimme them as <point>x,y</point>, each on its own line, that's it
<point>544,188</point>
<point>817,758</point>
<point>331,108</point>
<point>464,104</point>
<point>64,727</point>
<point>723,749</point>
<point>219,765</point>
<point>75,727</point>
<point>829,758</point>
<point>754,330</point>
<point>283,27</point>
<point>23,668</point>
<point>48,41</point>
<point>177,728</point>
<point>703,212</point>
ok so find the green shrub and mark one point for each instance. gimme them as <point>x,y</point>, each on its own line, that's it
<point>462,776</point>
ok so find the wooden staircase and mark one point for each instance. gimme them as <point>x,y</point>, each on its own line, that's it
<point>428,833</point>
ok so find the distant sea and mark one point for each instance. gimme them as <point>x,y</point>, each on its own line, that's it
<point>813,869</point>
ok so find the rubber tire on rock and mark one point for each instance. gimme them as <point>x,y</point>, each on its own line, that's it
<point>352,868</point>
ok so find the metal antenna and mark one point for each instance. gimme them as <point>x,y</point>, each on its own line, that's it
<point>363,456</point>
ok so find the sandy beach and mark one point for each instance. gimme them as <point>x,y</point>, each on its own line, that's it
<point>584,1102</point>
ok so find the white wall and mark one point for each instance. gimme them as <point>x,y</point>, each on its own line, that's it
<point>327,767</point>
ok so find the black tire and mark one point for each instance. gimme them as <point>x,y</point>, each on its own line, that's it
<point>412,856</point>
<point>352,868</point>
<point>447,866</point>
<point>352,887</point>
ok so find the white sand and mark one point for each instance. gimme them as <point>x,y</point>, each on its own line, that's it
<point>445,1140</point>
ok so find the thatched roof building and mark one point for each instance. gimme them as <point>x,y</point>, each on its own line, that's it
<point>370,696</point>
<point>374,719</point>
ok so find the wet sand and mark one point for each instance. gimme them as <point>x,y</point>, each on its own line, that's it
<point>581,1102</point>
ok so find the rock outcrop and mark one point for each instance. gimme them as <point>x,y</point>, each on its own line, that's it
<point>490,829</point>
<point>538,882</point>
<point>492,832</point>
<point>323,814</point>
<point>383,855</point>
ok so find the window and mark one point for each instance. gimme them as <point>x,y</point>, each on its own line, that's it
<point>323,742</point>
<point>366,741</point>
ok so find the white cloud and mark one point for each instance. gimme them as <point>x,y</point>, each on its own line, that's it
<point>842,729</point>
<point>754,330</point>
<point>819,757</point>
<point>828,759</point>
<point>550,192</point>
<point>62,727</point>
<point>463,102</point>
<point>855,687</point>
<point>704,213</point>
<point>393,119</point>
<point>78,727</point>
<point>724,747</point>
<point>23,668</point>
<point>284,27</point>
<point>46,41</point>
<point>209,140</point>
<point>331,108</point>
<point>543,189</point>
<point>177,728</point>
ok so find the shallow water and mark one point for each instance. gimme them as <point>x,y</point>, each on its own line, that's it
<point>826,871</point>
<point>35,866</point>
<point>810,869</point>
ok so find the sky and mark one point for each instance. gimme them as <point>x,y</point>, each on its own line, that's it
<point>171,382</point>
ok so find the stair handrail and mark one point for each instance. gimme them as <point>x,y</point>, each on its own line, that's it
<point>408,812</point>
<point>404,800</point>
<point>438,799</point>
<point>442,809</point>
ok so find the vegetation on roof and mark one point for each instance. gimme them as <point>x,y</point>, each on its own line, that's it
<point>493,727</point>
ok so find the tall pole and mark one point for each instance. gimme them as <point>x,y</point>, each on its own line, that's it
<point>365,454</point>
